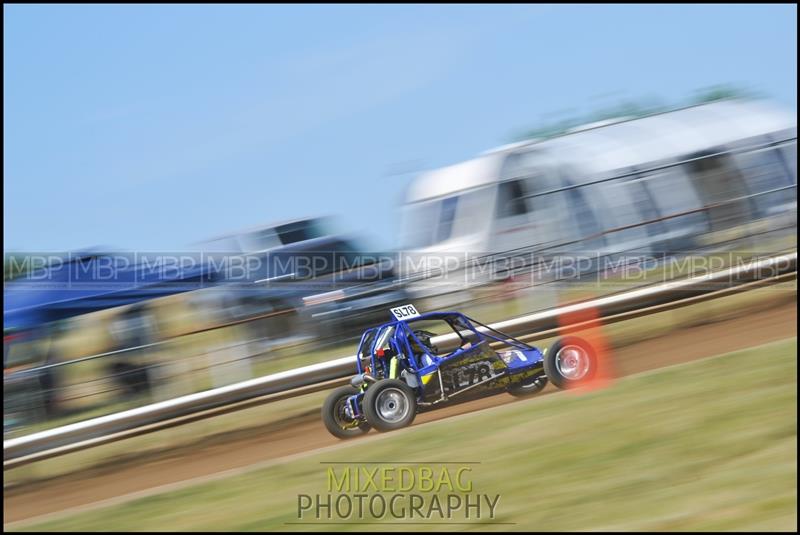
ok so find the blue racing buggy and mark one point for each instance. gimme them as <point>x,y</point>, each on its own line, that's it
<point>401,372</point>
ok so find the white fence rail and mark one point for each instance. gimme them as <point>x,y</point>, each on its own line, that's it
<point>91,432</point>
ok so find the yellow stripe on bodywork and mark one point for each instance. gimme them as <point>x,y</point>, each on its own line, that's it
<point>426,378</point>
<point>393,368</point>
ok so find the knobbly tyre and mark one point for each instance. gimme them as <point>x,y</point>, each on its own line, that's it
<point>401,372</point>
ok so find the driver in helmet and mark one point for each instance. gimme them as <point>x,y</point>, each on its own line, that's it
<point>424,348</point>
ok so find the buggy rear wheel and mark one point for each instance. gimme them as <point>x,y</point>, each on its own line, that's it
<point>528,386</point>
<point>570,362</point>
<point>336,420</point>
<point>390,404</point>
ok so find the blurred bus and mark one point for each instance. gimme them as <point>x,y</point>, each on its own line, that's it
<point>706,177</point>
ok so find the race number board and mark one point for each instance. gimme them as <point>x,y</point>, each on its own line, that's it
<point>405,312</point>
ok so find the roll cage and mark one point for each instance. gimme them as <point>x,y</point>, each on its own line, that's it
<point>394,339</point>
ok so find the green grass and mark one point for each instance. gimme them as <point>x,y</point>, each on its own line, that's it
<point>188,436</point>
<point>709,445</point>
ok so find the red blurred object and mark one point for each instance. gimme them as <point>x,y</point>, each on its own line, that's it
<point>379,353</point>
<point>587,325</point>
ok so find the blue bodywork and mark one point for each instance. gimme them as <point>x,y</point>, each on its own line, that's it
<point>474,366</point>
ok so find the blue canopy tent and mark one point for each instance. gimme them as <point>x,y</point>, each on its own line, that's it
<point>87,283</point>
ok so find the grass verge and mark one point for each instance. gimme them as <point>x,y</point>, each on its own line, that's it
<point>709,445</point>
<point>251,420</point>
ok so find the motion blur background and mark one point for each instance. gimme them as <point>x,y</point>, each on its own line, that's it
<point>195,196</point>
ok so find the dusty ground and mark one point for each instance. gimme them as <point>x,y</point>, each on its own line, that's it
<point>270,442</point>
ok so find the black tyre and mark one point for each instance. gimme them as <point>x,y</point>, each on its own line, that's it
<point>570,361</point>
<point>390,404</point>
<point>335,418</point>
<point>529,386</point>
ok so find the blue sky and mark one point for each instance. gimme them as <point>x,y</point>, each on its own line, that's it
<point>154,127</point>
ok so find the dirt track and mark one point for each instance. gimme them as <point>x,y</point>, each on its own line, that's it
<point>272,442</point>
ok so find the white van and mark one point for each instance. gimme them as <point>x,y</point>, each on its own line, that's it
<point>701,177</point>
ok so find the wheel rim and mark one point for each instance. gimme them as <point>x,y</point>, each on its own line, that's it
<point>572,362</point>
<point>391,405</point>
<point>341,417</point>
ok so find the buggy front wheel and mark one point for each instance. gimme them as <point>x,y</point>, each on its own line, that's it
<point>390,404</point>
<point>335,416</point>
